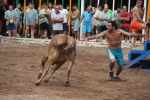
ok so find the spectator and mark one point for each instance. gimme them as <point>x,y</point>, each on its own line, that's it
<point>104,19</point>
<point>116,16</point>
<point>2,12</point>
<point>50,6</point>
<point>97,19</point>
<point>31,19</point>
<point>109,11</point>
<point>87,21</point>
<point>124,16</point>
<point>18,20</point>
<point>65,13</point>
<point>44,24</point>
<point>11,16</point>
<point>75,21</point>
<point>57,19</point>
<point>6,5</point>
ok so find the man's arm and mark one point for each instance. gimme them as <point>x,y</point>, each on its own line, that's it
<point>128,34</point>
<point>97,36</point>
<point>6,16</point>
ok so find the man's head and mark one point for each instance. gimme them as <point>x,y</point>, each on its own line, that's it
<point>10,7</point>
<point>139,3</point>
<point>105,9</point>
<point>19,5</point>
<point>67,7</point>
<point>89,8</point>
<point>5,1</point>
<point>112,26</point>
<point>100,7</point>
<point>57,9</point>
<point>118,9</point>
<point>50,5</point>
<point>60,7</point>
<point>45,6</point>
<point>106,5</point>
<point>74,6</point>
<point>124,8</point>
<point>31,5</point>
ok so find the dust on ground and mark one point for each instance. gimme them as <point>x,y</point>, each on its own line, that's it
<point>19,68</point>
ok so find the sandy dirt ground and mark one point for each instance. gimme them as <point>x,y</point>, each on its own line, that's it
<point>19,68</point>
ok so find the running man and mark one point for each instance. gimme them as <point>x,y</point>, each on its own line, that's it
<point>114,39</point>
<point>137,23</point>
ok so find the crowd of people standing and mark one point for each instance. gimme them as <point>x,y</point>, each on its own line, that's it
<point>93,21</point>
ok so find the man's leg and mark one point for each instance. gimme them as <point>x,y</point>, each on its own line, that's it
<point>9,33</point>
<point>65,28</point>
<point>17,28</point>
<point>45,33</point>
<point>14,29</point>
<point>14,33</point>
<point>27,31</point>
<point>133,40</point>
<point>32,33</point>
<point>20,28</point>
<point>84,32</point>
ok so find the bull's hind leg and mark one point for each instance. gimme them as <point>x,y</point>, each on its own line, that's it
<point>53,70</point>
<point>69,71</point>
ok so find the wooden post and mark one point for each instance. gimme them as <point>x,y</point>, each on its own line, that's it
<point>24,25</point>
<point>47,1</point>
<point>148,16</point>
<point>38,19</point>
<point>120,4</point>
<point>55,1</point>
<point>69,19</point>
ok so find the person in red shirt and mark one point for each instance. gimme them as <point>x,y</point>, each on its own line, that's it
<point>124,16</point>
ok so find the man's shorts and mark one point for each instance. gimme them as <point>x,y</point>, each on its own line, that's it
<point>1,22</point>
<point>116,54</point>
<point>98,27</point>
<point>58,32</point>
<point>65,26</point>
<point>44,26</point>
<point>31,26</point>
<point>140,31</point>
<point>87,28</point>
<point>135,25</point>
<point>102,28</point>
<point>11,27</point>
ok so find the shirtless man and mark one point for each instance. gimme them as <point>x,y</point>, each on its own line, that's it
<point>114,39</point>
<point>137,23</point>
<point>75,21</point>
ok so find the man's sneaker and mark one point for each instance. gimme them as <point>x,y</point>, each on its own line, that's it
<point>111,75</point>
<point>18,36</point>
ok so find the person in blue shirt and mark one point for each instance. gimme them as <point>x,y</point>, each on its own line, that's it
<point>87,21</point>
<point>11,16</point>
<point>19,19</point>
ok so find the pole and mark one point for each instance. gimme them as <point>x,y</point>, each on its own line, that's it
<point>121,4</point>
<point>129,2</point>
<point>98,2</point>
<point>17,1</point>
<point>24,6</point>
<point>105,1</point>
<point>91,2</point>
<point>63,3</point>
<point>38,19</point>
<point>79,4</point>
<point>32,1</point>
<point>69,20</point>
<point>54,1</point>
<point>47,1</point>
<point>82,10</point>
<point>113,5</point>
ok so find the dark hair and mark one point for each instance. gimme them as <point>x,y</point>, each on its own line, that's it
<point>11,5</point>
<point>113,23</point>
<point>44,3</point>
<point>138,0</point>
<point>50,3</point>
<point>74,4</point>
<point>99,5</point>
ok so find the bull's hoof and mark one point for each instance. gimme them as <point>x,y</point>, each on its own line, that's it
<point>40,75</point>
<point>67,83</point>
<point>37,83</point>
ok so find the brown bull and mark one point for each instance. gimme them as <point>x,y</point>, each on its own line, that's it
<point>62,48</point>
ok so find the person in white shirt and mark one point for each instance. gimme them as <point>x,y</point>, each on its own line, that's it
<point>65,13</point>
<point>57,19</point>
